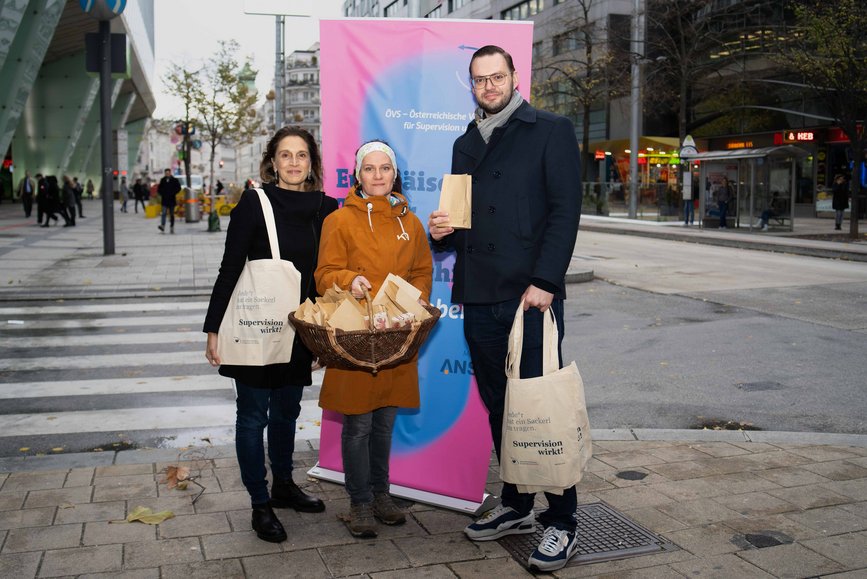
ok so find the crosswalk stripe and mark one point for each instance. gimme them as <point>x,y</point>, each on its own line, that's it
<point>126,419</point>
<point>105,340</point>
<point>126,386</point>
<point>66,324</point>
<point>104,308</point>
<point>103,361</point>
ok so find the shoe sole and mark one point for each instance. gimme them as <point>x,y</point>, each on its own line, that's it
<point>519,530</point>
<point>370,534</point>
<point>545,569</point>
<point>276,539</point>
<point>278,504</point>
<point>390,523</point>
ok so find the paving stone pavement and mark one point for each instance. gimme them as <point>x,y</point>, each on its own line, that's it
<point>736,504</point>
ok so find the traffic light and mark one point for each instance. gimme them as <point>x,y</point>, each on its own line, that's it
<point>221,163</point>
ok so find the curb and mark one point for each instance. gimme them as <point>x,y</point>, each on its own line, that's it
<point>147,456</point>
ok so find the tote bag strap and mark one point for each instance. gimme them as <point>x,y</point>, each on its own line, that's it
<point>550,339</point>
<point>270,224</point>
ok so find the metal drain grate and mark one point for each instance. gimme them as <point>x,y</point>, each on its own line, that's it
<point>603,535</point>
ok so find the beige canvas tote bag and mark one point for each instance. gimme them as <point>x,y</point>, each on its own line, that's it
<point>255,330</point>
<point>546,431</point>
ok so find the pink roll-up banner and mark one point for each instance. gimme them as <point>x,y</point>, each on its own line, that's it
<point>406,81</point>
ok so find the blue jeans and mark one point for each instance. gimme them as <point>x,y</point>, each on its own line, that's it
<point>486,328</point>
<point>723,211</point>
<point>366,446</point>
<point>688,211</point>
<point>171,213</point>
<point>258,408</point>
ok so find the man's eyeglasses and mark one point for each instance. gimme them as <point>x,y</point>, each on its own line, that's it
<point>497,79</point>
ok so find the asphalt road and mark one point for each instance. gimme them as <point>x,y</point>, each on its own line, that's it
<point>682,335</point>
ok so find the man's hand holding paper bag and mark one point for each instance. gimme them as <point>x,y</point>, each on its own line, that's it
<point>456,202</point>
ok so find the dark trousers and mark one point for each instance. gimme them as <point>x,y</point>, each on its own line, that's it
<point>78,204</point>
<point>68,214</point>
<point>366,446</point>
<point>723,211</point>
<point>486,328</point>
<point>137,201</point>
<point>258,409</point>
<point>28,205</point>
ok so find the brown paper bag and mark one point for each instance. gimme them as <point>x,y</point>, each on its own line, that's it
<point>456,198</point>
<point>347,317</point>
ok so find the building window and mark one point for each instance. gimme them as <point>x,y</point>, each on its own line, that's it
<point>457,4</point>
<point>566,42</point>
<point>537,50</point>
<point>391,10</point>
<point>436,12</point>
<point>523,10</point>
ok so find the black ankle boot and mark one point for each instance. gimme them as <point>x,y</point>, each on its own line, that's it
<point>267,525</point>
<point>285,494</point>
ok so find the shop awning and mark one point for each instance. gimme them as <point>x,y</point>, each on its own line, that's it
<point>779,151</point>
<point>618,146</point>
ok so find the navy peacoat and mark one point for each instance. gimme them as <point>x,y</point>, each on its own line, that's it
<point>526,205</point>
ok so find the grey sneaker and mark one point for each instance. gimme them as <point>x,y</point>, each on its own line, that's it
<point>386,511</point>
<point>361,522</point>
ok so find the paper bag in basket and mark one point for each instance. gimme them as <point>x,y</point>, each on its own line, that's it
<point>456,197</point>
<point>546,432</point>
<point>255,330</point>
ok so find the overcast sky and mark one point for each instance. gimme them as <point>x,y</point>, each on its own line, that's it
<point>187,32</point>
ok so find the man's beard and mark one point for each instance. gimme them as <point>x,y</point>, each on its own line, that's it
<point>499,105</point>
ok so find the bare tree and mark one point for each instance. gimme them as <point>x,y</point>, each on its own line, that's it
<point>828,50</point>
<point>579,73</point>
<point>185,84</point>
<point>225,108</point>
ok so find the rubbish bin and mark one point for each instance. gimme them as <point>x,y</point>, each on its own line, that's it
<point>192,211</point>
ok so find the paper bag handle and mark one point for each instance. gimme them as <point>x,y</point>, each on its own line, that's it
<point>550,339</point>
<point>369,303</point>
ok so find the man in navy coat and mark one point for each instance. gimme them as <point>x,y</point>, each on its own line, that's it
<point>526,204</point>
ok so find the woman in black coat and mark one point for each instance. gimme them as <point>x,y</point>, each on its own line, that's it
<point>270,396</point>
<point>840,200</point>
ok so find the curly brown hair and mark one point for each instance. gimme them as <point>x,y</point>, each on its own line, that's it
<point>266,166</point>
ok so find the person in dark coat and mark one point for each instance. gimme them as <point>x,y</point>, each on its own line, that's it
<point>270,396</point>
<point>26,192</point>
<point>168,189</point>
<point>67,202</point>
<point>526,202</point>
<point>79,193</point>
<point>51,204</point>
<point>840,200</point>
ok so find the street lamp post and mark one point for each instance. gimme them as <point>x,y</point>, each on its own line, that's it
<point>635,104</point>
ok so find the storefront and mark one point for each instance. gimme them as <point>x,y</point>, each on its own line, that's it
<point>762,180</point>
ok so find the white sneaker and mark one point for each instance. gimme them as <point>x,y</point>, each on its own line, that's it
<point>554,550</point>
<point>499,522</point>
<point>764,227</point>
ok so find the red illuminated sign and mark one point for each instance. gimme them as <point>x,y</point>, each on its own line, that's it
<point>799,136</point>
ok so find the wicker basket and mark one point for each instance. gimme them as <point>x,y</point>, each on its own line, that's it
<point>370,350</point>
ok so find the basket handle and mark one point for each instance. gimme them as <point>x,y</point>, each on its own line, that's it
<point>369,308</point>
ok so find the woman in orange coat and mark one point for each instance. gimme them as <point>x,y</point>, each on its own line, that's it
<point>374,234</point>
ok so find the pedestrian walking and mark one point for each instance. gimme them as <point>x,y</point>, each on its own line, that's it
<point>372,235</point>
<point>41,188</point>
<point>269,397</point>
<point>67,202</point>
<point>51,205</point>
<point>839,200</point>
<point>124,195</point>
<point>26,192</point>
<point>140,193</point>
<point>168,189</point>
<point>526,206</point>
<point>79,193</point>
<point>89,188</point>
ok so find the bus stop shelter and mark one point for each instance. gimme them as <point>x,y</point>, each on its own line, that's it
<point>764,180</point>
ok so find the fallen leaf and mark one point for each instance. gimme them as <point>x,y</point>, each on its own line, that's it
<point>175,474</point>
<point>147,516</point>
<point>182,486</point>
<point>24,449</point>
<point>57,449</point>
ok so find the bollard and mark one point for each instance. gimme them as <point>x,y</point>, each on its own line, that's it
<point>192,211</point>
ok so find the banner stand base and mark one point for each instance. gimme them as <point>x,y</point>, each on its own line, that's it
<point>428,498</point>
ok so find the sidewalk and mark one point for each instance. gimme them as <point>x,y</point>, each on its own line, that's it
<point>748,504</point>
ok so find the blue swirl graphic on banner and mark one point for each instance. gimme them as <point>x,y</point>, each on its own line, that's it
<point>413,109</point>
